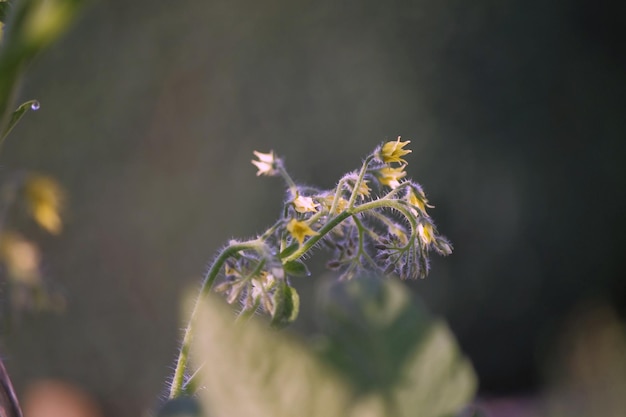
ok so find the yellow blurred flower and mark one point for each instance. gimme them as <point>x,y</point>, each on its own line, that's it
<point>46,20</point>
<point>45,199</point>
<point>393,151</point>
<point>391,176</point>
<point>305,204</point>
<point>299,230</point>
<point>266,163</point>
<point>20,258</point>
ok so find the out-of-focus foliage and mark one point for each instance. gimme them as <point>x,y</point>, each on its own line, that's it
<point>26,27</point>
<point>382,355</point>
<point>24,199</point>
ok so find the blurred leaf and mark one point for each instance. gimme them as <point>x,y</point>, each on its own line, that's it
<point>251,370</point>
<point>17,115</point>
<point>385,342</point>
<point>385,357</point>
<point>31,26</point>
<point>4,12</point>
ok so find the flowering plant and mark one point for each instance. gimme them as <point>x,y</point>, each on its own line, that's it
<point>375,220</point>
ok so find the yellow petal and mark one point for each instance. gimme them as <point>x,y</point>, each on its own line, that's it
<point>391,176</point>
<point>426,233</point>
<point>393,152</point>
<point>299,230</point>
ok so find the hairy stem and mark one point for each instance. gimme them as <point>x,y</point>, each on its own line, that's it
<point>332,223</point>
<point>357,185</point>
<point>178,380</point>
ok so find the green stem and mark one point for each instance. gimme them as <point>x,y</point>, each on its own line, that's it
<point>361,229</point>
<point>177,387</point>
<point>338,194</point>
<point>357,185</point>
<point>396,190</point>
<point>371,205</point>
<point>293,188</point>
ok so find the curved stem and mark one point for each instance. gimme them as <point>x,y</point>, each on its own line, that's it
<point>361,229</point>
<point>382,203</point>
<point>177,387</point>
<point>320,234</point>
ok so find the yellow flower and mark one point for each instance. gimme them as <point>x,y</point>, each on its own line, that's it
<point>45,200</point>
<point>391,176</point>
<point>299,230</point>
<point>393,152</point>
<point>419,201</point>
<point>426,233</point>
<point>342,204</point>
<point>363,190</point>
<point>305,204</point>
<point>266,163</point>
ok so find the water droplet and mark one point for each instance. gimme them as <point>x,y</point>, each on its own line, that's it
<point>35,105</point>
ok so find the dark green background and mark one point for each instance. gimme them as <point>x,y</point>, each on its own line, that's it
<point>150,111</point>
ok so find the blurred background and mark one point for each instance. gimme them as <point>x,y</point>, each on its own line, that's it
<point>150,112</point>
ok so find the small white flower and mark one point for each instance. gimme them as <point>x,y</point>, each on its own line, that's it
<point>266,163</point>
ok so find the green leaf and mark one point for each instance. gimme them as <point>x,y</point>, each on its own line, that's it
<point>296,269</point>
<point>287,306</point>
<point>252,370</point>
<point>32,25</point>
<point>17,116</point>
<point>384,357</point>
<point>386,344</point>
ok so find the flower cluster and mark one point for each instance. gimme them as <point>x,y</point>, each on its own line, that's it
<point>375,219</point>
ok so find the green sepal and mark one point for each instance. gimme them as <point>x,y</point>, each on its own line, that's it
<point>296,269</point>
